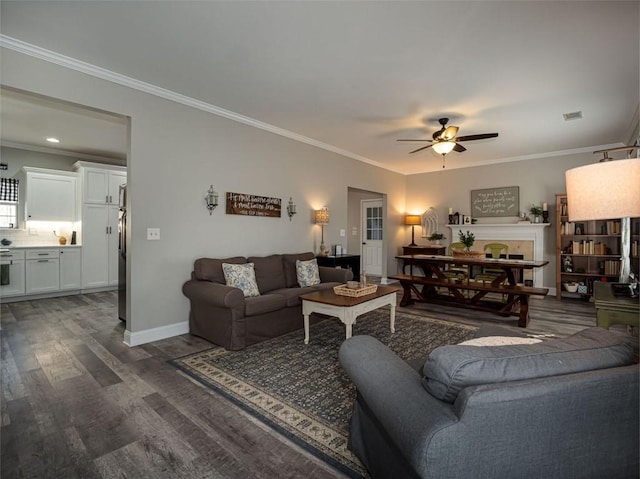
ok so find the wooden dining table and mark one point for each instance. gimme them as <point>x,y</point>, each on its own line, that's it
<point>435,287</point>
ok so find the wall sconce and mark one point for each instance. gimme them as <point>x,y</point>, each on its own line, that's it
<point>412,220</point>
<point>211,199</point>
<point>291,208</point>
<point>322,218</point>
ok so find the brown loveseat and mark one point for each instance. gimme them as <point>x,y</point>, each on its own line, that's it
<point>221,314</point>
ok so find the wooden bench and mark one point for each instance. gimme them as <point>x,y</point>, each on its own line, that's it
<point>425,290</point>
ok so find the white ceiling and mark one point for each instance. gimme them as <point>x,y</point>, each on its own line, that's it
<point>356,76</point>
<point>28,120</point>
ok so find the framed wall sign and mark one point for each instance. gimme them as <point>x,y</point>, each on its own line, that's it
<point>494,202</point>
<point>253,205</point>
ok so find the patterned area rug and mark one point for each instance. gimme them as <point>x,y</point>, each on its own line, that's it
<point>301,390</point>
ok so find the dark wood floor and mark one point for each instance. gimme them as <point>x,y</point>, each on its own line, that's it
<point>77,402</point>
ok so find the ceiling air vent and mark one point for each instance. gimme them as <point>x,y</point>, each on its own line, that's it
<point>574,115</point>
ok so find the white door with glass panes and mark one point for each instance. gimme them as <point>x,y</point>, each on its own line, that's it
<point>372,228</point>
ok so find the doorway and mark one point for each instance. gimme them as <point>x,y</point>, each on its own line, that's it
<point>372,236</point>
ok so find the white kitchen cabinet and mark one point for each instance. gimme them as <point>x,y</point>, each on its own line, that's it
<point>14,260</point>
<point>70,268</point>
<point>99,246</point>
<point>42,271</point>
<point>100,184</point>
<point>100,187</point>
<point>48,195</point>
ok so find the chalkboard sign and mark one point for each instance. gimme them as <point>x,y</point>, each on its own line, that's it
<point>504,201</point>
<point>253,205</point>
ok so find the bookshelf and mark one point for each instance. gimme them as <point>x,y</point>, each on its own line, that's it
<point>589,251</point>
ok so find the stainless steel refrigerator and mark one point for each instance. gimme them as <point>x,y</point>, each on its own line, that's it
<point>122,255</point>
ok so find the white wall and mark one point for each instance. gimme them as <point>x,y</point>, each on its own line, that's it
<point>176,153</point>
<point>539,180</point>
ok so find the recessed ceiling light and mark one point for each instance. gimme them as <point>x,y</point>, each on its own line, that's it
<point>574,115</point>
<point>51,139</point>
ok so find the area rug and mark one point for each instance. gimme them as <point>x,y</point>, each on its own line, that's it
<point>301,390</point>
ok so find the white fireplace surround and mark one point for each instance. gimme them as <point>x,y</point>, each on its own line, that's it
<point>510,232</point>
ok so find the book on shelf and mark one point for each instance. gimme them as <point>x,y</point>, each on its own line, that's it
<point>563,209</point>
<point>567,228</point>
<point>588,247</point>
<point>606,228</point>
<point>611,267</point>
<point>613,227</point>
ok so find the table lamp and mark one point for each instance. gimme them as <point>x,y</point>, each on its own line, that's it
<point>412,220</point>
<point>322,218</point>
<point>604,191</point>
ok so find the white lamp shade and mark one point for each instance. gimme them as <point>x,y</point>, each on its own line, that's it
<point>444,147</point>
<point>605,190</point>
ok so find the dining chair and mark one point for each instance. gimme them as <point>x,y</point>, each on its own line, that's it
<point>455,271</point>
<point>488,275</point>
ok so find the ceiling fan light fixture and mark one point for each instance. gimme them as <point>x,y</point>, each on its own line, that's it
<point>444,147</point>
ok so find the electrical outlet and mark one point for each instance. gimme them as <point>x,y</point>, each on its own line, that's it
<point>343,233</point>
<point>153,234</point>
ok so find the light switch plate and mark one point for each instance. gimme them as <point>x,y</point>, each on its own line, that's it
<point>153,234</point>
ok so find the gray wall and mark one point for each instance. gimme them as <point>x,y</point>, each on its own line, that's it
<point>539,181</point>
<point>16,159</point>
<point>176,153</point>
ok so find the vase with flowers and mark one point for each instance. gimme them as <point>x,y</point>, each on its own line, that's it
<point>467,239</point>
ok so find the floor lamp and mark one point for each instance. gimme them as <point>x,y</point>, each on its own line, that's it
<point>604,191</point>
<point>412,220</point>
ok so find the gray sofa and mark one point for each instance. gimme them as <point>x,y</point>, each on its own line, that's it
<point>221,314</point>
<point>563,408</point>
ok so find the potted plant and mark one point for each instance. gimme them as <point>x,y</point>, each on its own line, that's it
<point>436,237</point>
<point>466,239</point>
<point>536,211</point>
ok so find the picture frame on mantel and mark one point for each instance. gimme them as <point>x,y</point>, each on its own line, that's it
<point>495,202</point>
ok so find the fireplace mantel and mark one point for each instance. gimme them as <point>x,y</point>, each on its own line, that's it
<point>510,232</point>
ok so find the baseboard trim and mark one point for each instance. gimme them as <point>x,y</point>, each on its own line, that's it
<point>33,297</point>
<point>155,334</point>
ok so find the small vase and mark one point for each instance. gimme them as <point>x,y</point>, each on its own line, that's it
<point>536,219</point>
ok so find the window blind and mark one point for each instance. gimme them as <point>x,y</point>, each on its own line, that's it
<point>8,189</point>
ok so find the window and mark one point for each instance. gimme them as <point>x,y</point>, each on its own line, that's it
<point>374,223</point>
<point>8,203</point>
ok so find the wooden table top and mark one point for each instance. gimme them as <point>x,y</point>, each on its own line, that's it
<point>494,263</point>
<point>327,296</point>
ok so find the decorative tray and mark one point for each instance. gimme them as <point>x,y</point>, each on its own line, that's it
<point>343,290</point>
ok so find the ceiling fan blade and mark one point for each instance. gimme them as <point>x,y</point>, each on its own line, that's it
<point>476,137</point>
<point>449,133</point>
<point>420,149</point>
<point>413,140</point>
<point>459,148</point>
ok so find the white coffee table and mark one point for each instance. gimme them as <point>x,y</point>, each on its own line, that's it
<point>347,308</point>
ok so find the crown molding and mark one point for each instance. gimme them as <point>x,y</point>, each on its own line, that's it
<point>123,80</point>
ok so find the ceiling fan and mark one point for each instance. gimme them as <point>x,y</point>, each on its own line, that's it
<point>445,139</point>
